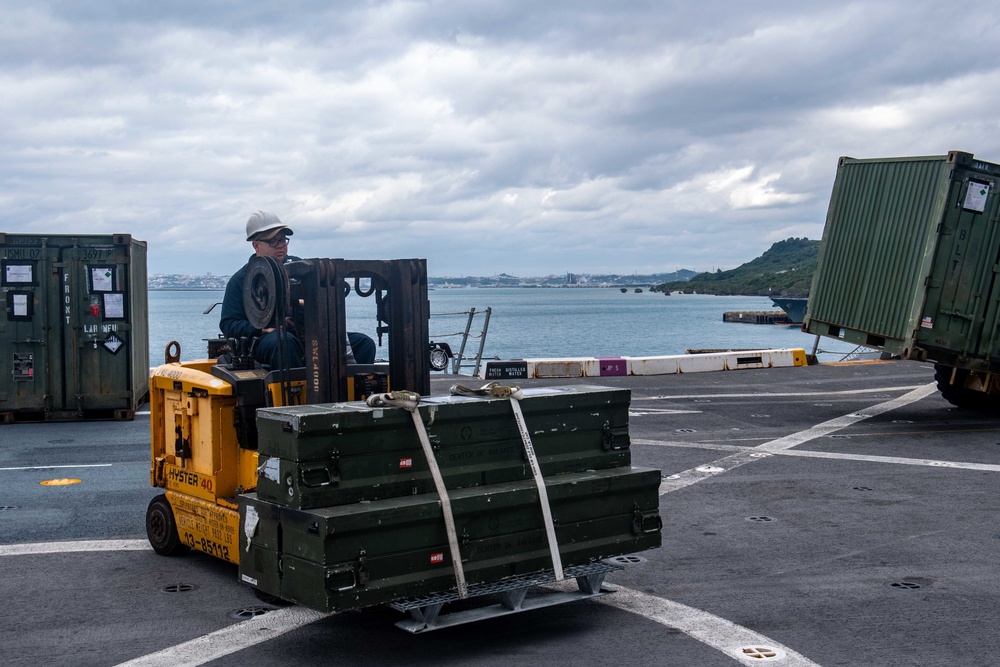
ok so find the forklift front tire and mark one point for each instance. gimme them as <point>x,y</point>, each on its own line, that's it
<point>161,529</point>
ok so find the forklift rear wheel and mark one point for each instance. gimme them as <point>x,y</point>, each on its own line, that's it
<point>161,529</point>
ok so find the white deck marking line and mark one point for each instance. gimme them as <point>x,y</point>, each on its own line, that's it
<point>691,445</point>
<point>718,633</point>
<point>706,470</point>
<point>73,547</point>
<point>694,475</point>
<point>896,460</point>
<point>797,394</point>
<point>833,425</point>
<point>806,453</point>
<point>82,465</point>
<point>230,639</point>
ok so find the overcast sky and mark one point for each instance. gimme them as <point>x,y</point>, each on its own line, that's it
<point>506,136</point>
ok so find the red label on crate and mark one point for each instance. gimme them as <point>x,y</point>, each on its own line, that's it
<point>437,558</point>
<point>405,463</point>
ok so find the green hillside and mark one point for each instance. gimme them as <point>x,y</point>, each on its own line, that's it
<point>785,269</point>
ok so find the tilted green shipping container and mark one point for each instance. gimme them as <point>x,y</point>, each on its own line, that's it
<point>75,328</point>
<point>908,262</point>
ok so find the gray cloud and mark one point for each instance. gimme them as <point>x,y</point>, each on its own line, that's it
<point>486,137</point>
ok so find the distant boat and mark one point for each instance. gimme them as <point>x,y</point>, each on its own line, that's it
<point>624,289</point>
<point>638,290</point>
<point>794,307</point>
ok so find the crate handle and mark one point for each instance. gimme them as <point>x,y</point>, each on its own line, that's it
<point>323,474</point>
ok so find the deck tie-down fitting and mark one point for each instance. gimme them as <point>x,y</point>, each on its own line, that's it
<point>409,401</point>
<point>515,395</point>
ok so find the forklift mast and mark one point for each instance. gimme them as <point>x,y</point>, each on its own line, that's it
<point>313,293</point>
<point>319,287</point>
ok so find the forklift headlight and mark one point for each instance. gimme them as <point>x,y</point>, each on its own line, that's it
<point>439,355</point>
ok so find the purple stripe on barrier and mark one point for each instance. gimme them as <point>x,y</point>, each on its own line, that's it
<point>613,366</point>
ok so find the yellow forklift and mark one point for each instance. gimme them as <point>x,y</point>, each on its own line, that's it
<point>409,500</point>
<point>203,413</point>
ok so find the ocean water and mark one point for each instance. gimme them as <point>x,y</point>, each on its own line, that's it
<point>527,323</point>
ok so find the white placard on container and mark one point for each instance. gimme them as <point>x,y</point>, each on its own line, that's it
<point>20,305</point>
<point>114,306</point>
<point>101,279</point>
<point>975,196</point>
<point>19,273</point>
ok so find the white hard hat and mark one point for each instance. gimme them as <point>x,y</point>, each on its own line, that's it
<point>265,221</point>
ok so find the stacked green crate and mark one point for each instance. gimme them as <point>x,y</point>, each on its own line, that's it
<point>322,455</point>
<point>381,535</point>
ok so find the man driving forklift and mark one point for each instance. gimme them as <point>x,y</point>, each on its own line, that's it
<point>269,238</point>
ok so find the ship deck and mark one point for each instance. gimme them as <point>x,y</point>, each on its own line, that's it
<point>826,515</point>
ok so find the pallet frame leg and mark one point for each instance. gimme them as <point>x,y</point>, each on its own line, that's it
<point>428,614</point>
<point>591,584</point>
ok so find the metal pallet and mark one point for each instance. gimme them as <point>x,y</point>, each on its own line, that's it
<point>425,611</point>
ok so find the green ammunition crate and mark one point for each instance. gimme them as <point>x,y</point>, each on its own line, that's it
<point>358,555</point>
<point>379,580</point>
<point>334,534</point>
<point>324,455</point>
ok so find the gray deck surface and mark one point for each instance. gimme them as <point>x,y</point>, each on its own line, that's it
<point>871,540</point>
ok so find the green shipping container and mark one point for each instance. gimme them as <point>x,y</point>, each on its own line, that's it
<point>323,455</point>
<point>75,328</point>
<point>908,262</point>
<point>359,555</point>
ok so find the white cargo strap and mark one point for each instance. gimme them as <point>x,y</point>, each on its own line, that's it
<point>409,400</point>
<point>515,395</point>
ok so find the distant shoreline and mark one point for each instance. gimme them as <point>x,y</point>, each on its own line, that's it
<point>433,287</point>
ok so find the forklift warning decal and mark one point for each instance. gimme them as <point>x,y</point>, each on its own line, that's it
<point>207,527</point>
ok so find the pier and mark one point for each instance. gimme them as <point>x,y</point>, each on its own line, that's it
<point>757,317</point>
